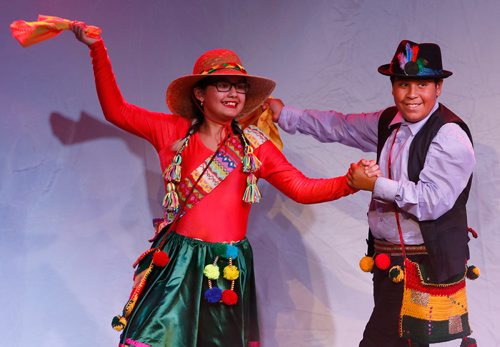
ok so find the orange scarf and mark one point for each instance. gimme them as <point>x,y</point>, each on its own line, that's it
<point>263,119</point>
<point>29,33</point>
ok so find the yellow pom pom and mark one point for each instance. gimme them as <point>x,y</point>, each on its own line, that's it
<point>366,264</point>
<point>473,272</point>
<point>119,323</point>
<point>396,274</point>
<point>231,272</point>
<point>211,271</point>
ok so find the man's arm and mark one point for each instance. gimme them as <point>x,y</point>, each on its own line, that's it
<point>354,130</point>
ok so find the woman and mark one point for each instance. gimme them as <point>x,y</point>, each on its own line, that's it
<point>210,168</point>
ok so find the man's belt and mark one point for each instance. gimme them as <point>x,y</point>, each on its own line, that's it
<point>395,249</point>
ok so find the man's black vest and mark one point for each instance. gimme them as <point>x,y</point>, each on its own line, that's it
<point>445,238</point>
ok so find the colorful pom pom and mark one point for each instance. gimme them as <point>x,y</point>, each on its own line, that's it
<point>118,323</point>
<point>383,261</point>
<point>231,272</point>
<point>366,264</point>
<point>220,249</point>
<point>396,274</point>
<point>468,342</point>
<point>229,297</point>
<point>473,272</point>
<point>231,252</point>
<point>213,295</point>
<point>211,271</point>
<point>160,259</point>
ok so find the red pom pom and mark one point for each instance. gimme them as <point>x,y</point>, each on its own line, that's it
<point>160,259</point>
<point>229,297</point>
<point>383,261</point>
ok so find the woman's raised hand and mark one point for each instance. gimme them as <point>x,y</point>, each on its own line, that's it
<point>78,29</point>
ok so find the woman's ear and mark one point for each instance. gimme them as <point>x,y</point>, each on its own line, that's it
<point>199,94</point>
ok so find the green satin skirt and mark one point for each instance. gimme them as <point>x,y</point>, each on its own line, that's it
<point>172,311</point>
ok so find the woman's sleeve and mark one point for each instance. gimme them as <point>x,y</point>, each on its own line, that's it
<point>155,127</point>
<point>289,180</point>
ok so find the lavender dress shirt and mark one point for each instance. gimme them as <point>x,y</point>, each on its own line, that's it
<point>447,169</point>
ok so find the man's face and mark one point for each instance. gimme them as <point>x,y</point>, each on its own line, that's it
<point>415,98</point>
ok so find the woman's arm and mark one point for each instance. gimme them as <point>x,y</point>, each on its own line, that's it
<point>155,127</point>
<point>289,180</point>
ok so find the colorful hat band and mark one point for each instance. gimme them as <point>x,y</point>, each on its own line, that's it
<point>224,66</point>
<point>413,66</point>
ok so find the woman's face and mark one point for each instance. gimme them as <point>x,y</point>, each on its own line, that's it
<point>224,98</point>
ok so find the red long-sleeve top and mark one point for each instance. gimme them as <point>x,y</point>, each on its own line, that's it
<point>221,216</point>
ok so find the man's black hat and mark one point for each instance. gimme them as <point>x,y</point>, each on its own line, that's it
<point>416,61</point>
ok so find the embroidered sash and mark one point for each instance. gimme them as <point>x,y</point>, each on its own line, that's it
<point>225,161</point>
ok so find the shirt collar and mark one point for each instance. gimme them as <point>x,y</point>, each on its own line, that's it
<point>414,127</point>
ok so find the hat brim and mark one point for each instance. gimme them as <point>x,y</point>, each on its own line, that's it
<point>180,91</point>
<point>386,70</point>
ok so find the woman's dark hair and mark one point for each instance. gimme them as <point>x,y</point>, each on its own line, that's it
<point>199,118</point>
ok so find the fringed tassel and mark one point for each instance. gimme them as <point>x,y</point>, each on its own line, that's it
<point>173,172</point>
<point>171,199</point>
<point>250,162</point>
<point>252,194</point>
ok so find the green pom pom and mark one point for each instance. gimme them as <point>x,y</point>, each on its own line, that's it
<point>396,274</point>
<point>211,271</point>
<point>220,249</point>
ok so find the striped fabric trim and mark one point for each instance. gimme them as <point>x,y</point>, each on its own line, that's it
<point>395,249</point>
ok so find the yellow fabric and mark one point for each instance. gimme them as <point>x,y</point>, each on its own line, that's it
<point>47,27</point>
<point>443,307</point>
<point>263,119</point>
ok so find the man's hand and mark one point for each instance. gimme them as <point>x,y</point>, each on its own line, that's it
<point>363,174</point>
<point>276,105</point>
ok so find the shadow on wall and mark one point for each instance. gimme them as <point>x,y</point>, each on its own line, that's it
<point>89,128</point>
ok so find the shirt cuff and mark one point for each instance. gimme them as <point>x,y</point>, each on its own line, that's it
<point>385,189</point>
<point>289,119</point>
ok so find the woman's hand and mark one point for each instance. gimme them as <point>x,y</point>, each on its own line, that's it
<point>363,174</point>
<point>78,29</point>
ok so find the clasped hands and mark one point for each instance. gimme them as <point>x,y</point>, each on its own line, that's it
<point>363,174</point>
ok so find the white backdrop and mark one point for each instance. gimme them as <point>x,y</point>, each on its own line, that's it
<point>77,195</point>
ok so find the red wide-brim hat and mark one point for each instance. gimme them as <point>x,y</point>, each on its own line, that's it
<point>217,62</point>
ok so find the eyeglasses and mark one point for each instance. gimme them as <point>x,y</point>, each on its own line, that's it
<point>225,86</point>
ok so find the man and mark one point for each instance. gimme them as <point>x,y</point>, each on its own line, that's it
<point>426,157</point>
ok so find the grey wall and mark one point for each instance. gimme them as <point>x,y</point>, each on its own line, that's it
<point>77,195</point>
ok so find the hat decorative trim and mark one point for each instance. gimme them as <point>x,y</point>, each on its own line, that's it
<point>412,66</point>
<point>224,66</point>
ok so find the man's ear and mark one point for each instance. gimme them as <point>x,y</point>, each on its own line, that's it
<point>439,87</point>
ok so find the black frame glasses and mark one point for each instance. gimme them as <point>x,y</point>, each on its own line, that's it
<point>225,86</point>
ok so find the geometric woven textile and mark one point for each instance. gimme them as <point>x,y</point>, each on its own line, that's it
<point>432,312</point>
<point>226,160</point>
